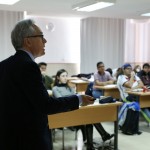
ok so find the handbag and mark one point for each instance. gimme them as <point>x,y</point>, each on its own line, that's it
<point>108,99</point>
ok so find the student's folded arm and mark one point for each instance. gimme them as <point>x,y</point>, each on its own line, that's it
<point>110,82</point>
<point>140,84</point>
<point>100,83</point>
<point>127,84</point>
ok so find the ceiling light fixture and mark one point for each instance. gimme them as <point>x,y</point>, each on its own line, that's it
<point>146,14</point>
<point>8,2</point>
<point>92,5</point>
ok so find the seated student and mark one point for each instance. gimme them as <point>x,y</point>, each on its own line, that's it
<point>48,81</point>
<point>137,69</point>
<point>115,74</point>
<point>101,78</point>
<point>144,74</point>
<point>110,71</point>
<point>60,89</point>
<point>128,80</point>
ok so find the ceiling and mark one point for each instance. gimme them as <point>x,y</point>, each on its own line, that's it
<point>63,8</point>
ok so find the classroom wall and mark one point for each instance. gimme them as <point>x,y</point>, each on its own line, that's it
<point>102,39</point>
<point>62,50</point>
<point>63,42</point>
<point>72,68</point>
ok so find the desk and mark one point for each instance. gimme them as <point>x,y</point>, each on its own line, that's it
<point>109,91</point>
<point>142,97</point>
<point>88,115</point>
<point>81,85</point>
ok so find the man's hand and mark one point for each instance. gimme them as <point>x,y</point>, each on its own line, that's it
<point>87,100</point>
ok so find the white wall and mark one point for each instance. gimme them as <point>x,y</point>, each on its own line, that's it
<point>72,68</point>
<point>63,44</point>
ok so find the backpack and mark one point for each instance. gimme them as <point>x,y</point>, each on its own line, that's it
<point>107,99</point>
<point>130,125</point>
<point>129,118</point>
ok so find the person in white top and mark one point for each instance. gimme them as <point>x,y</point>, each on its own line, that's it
<point>128,80</point>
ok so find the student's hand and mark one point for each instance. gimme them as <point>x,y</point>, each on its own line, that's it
<point>132,74</point>
<point>87,100</point>
<point>43,73</point>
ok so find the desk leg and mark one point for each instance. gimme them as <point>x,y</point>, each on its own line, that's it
<point>63,139</point>
<point>116,132</point>
<point>51,137</point>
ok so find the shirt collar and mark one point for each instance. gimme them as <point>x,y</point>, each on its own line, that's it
<point>101,73</point>
<point>31,56</point>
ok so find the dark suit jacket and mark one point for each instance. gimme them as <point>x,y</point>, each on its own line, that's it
<point>145,77</point>
<point>25,104</point>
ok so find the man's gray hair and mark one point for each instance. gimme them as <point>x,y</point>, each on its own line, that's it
<point>21,30</point>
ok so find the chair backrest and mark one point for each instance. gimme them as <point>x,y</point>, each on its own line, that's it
<point>89,89</point>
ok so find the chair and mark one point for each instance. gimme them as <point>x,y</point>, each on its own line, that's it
<point>63,135</point>
<point>145,117</point>
<point>89,89</point>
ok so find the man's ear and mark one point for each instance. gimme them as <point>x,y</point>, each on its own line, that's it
<point>26,42</point>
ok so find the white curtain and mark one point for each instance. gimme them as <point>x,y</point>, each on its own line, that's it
<point>102,39</point>
<point>137,41</point>
<point>7,21</point>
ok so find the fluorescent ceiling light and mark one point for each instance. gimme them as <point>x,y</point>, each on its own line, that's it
<point>146,14</point>
<point>8,2</point>
<point>96,6</point>
<point>92,5</point>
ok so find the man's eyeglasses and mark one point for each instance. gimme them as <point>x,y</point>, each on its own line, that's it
<point>101,66</point>
<point>41,36</point>
<point>128,68</point>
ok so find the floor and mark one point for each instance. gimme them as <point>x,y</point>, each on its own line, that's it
<point>126,142</point>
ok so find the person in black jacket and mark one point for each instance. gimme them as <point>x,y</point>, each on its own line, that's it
<point>47,80</point>
<point>144,74</point>
<point>25,103</point>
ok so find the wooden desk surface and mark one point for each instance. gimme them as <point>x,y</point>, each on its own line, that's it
<point>88,115</point>
<point>142,97</point>
<point>73,78</point>
<point>107,87</point>
<point>85,115</point>
<point>78,81</point>
<point>80,85</point>
<point>139,93</point>
<point>110,90</point>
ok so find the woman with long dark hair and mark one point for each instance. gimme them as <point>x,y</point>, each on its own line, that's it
<point>61,88</point>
